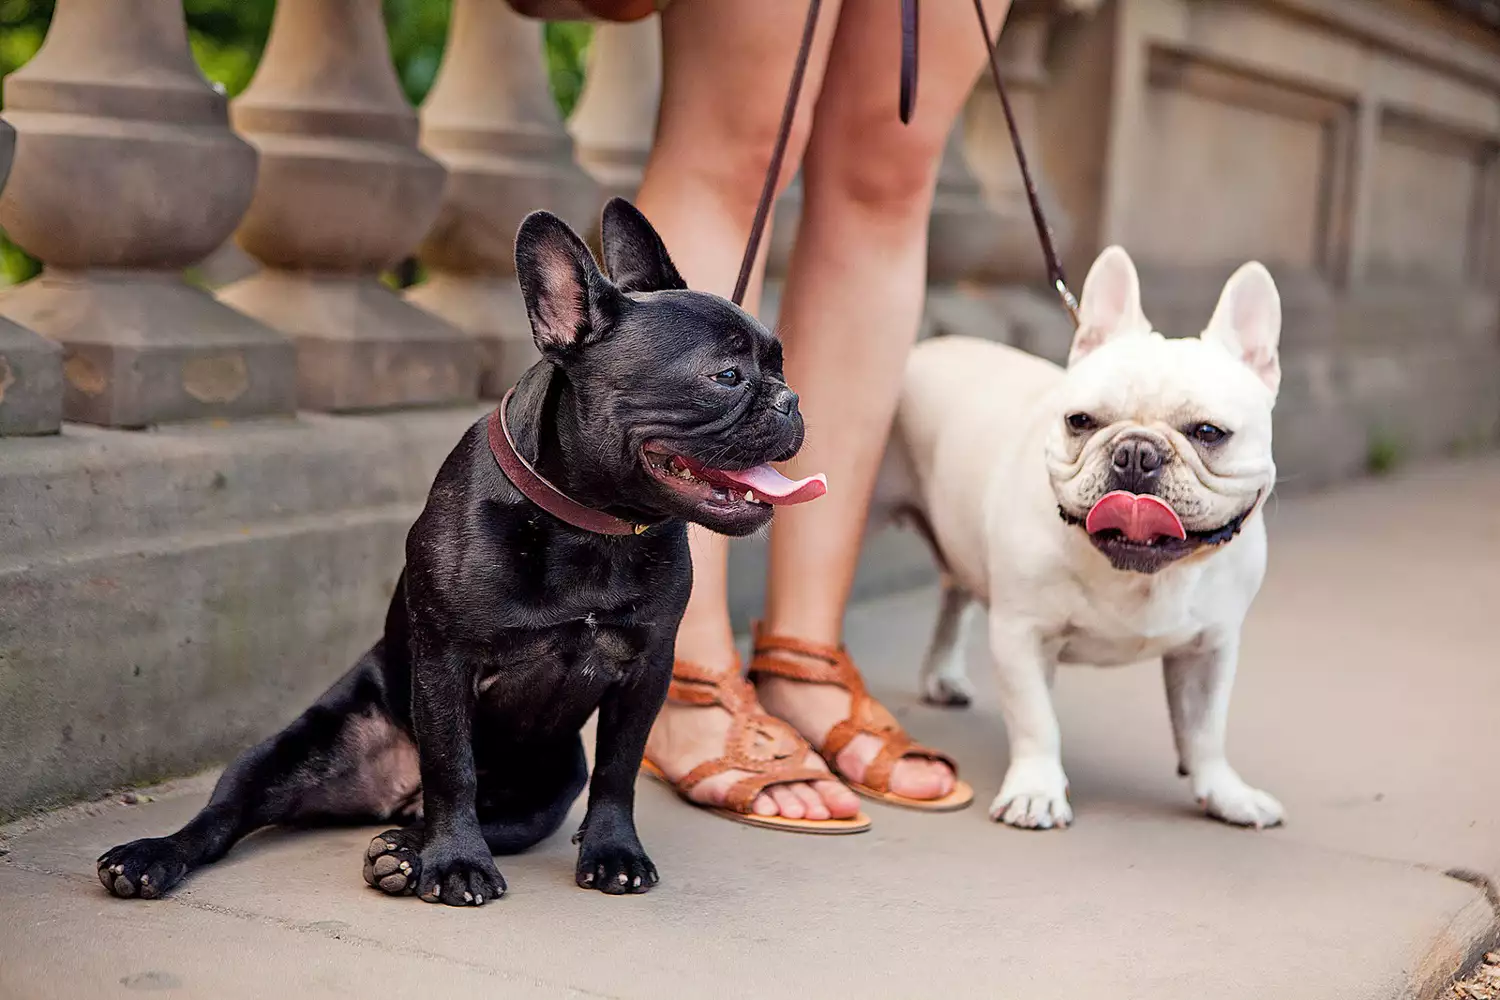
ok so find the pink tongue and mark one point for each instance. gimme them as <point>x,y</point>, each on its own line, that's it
<point>770,485</point>
<point>1139,517</point>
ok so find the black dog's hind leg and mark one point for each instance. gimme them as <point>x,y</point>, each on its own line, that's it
<point>343,760</point>
<point>393,861</point>
<point>610,856</point>
<point>456,867</point>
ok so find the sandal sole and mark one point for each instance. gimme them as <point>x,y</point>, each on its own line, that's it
<point>961,797</point>
<point>858,823</point>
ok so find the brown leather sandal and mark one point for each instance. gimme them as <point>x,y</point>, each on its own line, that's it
<point>831,665</point>
<point>756,743</point>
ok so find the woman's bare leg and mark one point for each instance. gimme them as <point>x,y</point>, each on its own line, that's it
<point>726,65</point>
<point>850,312</point>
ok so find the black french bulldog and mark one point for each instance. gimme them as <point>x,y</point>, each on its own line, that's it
<point>510,626</point>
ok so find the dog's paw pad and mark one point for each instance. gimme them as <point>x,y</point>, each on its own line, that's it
<point>143,869</point>
<point>616,870</point>
<point>392,863</point>
<point>1034,796</point>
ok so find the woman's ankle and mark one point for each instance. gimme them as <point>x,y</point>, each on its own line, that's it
<point>709,645</point>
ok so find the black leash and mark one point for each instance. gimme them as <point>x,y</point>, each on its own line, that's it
<point>906,105</point>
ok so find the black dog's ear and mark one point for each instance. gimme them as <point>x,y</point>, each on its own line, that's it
<point>560,282</point>
<point>635,256</point>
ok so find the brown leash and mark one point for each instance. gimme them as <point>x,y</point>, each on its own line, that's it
<point>1043,231</point>
<point>906,105</point>
<point>778,153</point>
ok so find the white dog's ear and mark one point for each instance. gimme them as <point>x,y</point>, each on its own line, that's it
<point>1111,304</point>
<point>1247,322</point>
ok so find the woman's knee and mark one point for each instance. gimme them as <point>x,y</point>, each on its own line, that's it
<point>874,161</point>
<point>729,154</point>
<point>725,68</point>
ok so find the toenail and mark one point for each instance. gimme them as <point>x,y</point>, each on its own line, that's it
<point>479,901</point>
<point>637,880</point>
<point>468,897</point>
<point>589,877</point>
<point>389,846</point>
<point>624,878</point>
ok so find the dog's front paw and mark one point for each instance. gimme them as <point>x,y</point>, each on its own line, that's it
<point>947,690</point>
<point>1033,796</point>
<point>1224,795</point>
<point>457,874</point>
<point>615,867</point>
<point>143,868</point>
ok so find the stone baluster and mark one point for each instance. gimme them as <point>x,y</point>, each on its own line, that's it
<point>343,194</point>
<point>31,390</point>
<point>615,118</point>
<point>126,173</point>
<point>491,120</point>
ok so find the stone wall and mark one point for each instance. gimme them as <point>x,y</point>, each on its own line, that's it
<point>1354,147</point>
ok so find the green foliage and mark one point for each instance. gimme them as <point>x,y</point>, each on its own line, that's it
<point>418,29</point>
<point>566,44</point>
<point>1383,452</point>
<point>228,37</point>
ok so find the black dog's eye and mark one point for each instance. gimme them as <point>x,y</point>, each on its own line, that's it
<point>729,376</point>
<point>1207,433</point>
<point>1079,423</point>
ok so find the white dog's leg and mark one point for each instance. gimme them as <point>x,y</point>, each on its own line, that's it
<point>1199,681</point>
<point>945,677</point>
<point>1034,793</point>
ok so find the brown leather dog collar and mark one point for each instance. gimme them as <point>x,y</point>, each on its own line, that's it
<point>542,493</point>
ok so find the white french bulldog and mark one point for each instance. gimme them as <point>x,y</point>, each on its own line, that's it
<point>1156,454</point>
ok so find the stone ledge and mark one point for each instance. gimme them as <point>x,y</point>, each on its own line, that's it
<point>166,598</point>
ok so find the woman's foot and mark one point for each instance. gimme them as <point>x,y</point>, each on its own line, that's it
<point>814,709</point>
<point>685,736</point>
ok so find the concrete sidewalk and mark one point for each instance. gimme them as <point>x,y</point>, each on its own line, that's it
<point>1369,702</point>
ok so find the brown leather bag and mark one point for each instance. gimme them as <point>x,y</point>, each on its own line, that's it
<point>587,10</point>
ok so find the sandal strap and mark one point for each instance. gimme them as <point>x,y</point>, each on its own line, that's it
<point>743,792</point>
<point>830,664</point>
<point>759,744</point>
<point>693,684</point>
<point>867,717</point>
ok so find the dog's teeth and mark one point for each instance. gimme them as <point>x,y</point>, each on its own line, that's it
<point>749,496</point>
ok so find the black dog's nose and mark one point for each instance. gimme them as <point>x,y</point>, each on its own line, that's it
<point>785,401</point>
<point>1137,464</point>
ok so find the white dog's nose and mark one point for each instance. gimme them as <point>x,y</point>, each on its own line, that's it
<point>1137,464</point>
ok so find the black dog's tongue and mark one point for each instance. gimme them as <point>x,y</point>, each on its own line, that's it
<point>765,482</point>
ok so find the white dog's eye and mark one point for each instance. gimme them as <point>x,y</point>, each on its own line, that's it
<point>1080,423</point>
<point>1207,433</point>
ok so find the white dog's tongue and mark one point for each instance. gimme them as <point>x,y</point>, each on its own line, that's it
<point>768,484</point>
<point>1139,517</point>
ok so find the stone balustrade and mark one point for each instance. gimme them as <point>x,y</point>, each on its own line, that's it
<point>129,169</point>
<point>125,173</point>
